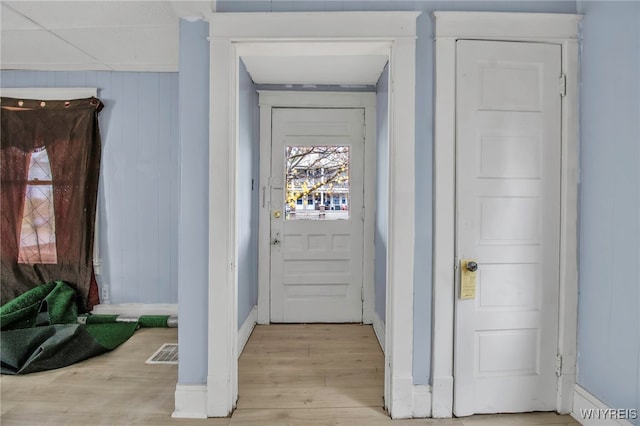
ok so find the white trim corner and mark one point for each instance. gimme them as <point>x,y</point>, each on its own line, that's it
<point>442,397</point>
<point>421,401</point>
<point>190,402</point>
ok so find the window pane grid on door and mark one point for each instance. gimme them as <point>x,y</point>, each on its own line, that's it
<point>317,182</point>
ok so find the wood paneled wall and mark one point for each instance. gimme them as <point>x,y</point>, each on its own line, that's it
<point>139,184</point>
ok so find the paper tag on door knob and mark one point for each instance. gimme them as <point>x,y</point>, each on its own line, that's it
<point>468,279</point>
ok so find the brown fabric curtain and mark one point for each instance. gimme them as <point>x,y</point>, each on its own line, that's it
<point>69,131</point>
<point>14,175</point>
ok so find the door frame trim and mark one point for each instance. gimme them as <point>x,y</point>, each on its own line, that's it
<point>286,34</point>
<point>296,99</point>
<point>561,29</point>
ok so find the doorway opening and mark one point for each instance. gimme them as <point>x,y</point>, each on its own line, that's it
<point>318,35</point>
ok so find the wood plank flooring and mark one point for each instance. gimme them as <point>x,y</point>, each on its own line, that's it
<point>311,366</point>
<point>288,375</point>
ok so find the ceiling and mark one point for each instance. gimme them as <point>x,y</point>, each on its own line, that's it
<point>143,36</point>
<point>94,35</point>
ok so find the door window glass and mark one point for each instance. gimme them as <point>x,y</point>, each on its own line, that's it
<point>317,183</point>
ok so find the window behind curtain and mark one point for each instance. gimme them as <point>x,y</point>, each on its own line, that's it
<point>38,230</point>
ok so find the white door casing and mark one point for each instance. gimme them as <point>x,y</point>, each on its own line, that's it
<point>508,220</point>
<point>317,255</point>
<point>559,29</point>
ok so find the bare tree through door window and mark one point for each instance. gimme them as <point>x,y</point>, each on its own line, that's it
<point>317,182</point>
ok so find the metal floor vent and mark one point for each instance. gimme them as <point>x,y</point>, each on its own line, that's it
<point>167,354</point>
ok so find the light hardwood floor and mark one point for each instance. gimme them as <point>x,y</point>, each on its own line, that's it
<point>288,375</point>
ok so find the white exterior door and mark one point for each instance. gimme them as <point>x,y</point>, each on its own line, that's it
<point>508,124</point>
<point>317,186</point>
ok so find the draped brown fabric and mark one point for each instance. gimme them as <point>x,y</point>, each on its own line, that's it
<point>14,164</point>
<point>69,131</point>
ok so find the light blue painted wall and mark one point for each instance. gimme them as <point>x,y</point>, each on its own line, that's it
<point>424,125</point>
<point>193,229</point>
<point>139,181</point>
<point>247,209</point>
<point>382,192</point>
<point>609,301</point>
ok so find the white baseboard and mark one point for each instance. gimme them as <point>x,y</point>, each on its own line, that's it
<point>247,327</point>
<point>421,401</point>
<point>136,309</point>
<point>584,402</point>
<point>190,402</point>
<point>378,328</point>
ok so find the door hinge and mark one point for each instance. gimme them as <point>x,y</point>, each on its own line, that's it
<point>558,365</point>
<point>362,293</point>
<point>563,85</point>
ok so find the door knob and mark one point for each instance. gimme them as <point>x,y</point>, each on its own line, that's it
<point>277,214</point>
<point>472,266</point>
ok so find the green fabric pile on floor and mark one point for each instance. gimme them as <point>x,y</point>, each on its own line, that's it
<point>40,331</point>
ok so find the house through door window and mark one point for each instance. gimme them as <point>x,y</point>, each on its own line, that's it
<point>38,226</point>
<point>317,182</point>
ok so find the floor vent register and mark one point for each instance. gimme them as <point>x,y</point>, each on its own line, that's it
<point>167,354</point>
